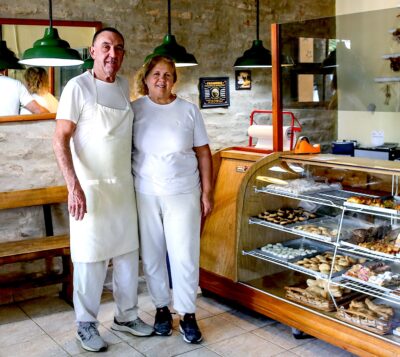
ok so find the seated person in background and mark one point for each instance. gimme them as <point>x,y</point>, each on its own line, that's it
<point>13,95</point>
<point>37,81</point>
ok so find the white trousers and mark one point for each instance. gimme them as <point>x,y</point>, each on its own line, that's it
<point>88,286</point>
<point>171,223</point>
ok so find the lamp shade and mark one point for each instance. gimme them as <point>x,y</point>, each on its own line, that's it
<point>8,60</point>
<point>256,56</point>
<point>51,50</point>
<point>172,49</point>
<point>88,63</point>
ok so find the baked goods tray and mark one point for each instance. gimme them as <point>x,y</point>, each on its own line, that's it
<point>370,253</point>
<point>387,211</point>
<point>291,227</point>
<point>384,289</point>
<point>318,303</point>
<point>323,228</point>
<point>378,326</point>
<point>299,243</point>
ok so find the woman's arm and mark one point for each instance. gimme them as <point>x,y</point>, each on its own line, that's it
<point>204,159</point>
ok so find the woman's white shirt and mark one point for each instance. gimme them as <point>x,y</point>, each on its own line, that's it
<point>164,162</point>
<point>46,100</point>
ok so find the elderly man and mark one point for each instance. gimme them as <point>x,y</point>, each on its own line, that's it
<point>95,116</point>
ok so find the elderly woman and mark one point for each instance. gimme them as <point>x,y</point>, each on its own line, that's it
<point>173,180</point>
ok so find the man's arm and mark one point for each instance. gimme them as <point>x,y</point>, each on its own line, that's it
<point>204,159</point>
<point>62,150</point>
<point>35,108</point>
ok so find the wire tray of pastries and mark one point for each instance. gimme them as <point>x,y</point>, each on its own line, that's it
<point>320,264</point>
<point>386,205</point>
<point>367,314</point>
<point>317,294</point>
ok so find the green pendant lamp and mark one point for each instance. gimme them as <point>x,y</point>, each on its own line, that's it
<point>257,56</point>
<point>172,49</point>
<point>88,63</point>
<point>51,50</point>
<point>8,60</point>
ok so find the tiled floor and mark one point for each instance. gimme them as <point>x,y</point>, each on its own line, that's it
<point>45,327</point>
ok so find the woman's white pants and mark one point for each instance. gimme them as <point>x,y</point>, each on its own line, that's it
<point>171,223</point>
<point>88,286</point>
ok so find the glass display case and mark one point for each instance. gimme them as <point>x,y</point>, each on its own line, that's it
<point>324,234</point>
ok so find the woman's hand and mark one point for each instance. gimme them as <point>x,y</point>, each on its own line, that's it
<point>207,203</point>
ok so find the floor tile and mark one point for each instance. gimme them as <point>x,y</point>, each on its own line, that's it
<point>121,349</point>
<point>247,320</point>
<point>281,335</point>
<point>318,348</point>
<point>215,329</point>
<point>201,352</point>
<point>211,305</point>
<point>159,346</point>
<point>19,332</point>
<point>287,354</point>
<point>11,313</point>
<point>57,323</point>
<point>68,341</point>
<point>247,344</point>
<point>38,347</point>
<point>44,306</point>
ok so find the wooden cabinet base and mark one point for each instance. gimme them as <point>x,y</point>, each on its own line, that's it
<point>332,331</point>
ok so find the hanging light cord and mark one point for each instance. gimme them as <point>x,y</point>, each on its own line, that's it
<point>169,17</point>
<point>258,22</point>
<point>51,14</point>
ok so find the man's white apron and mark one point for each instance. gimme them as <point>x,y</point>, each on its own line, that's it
<point>103,167</point>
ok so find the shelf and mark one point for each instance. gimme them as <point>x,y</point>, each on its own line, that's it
<point>292,229</point>
<point>376,291</point>
<point>391,55</point>
<point>386,79</point>
<point>334,198</point>
<point>353,249</point>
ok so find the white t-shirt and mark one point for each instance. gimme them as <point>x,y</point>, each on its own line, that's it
<point>164,162</point>
<point>46,100</point>
<point>13,94</point>
<point>79,97</point>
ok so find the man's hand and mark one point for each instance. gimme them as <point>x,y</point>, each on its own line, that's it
<point>77,203</point>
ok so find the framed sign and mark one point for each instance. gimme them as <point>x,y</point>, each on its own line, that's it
<point>243,80</point>
<point>214,92</point>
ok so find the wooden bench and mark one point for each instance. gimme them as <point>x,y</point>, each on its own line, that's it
<point>38,247</point>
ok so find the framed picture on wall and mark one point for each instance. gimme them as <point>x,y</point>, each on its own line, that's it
<point>214,92</point>
<point>243,79</point>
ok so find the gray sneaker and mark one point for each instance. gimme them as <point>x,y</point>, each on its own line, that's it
<point>90,338</point>
<point>136,327</point>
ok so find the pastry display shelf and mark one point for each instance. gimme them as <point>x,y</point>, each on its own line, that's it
<point>391,55</point>
<point>292,229</point>
<point>367,288</point>
<point>354,249</point>
<point>386,79</point>
<point>259,255</point>
<point>332,198</point>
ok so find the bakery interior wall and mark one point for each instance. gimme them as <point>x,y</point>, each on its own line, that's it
<point>370,43</point>
<point>216,32</point>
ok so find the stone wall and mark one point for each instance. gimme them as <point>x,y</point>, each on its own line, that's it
<point>216,32</point>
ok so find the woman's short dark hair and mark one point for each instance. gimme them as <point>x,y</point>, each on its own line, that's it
<point>141,75</point>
